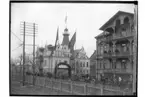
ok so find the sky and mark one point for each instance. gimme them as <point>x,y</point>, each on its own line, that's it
<point>84,18</point>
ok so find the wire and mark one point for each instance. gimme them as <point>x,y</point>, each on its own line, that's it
<point>17,47</point>
<point>17,37</point>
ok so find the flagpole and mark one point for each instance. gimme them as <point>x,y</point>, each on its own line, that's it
<point>66,20</point>
<point>74,58</point>
<point>75,42</point>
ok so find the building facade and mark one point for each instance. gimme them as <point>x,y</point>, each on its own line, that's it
<point>93,63</point>
<point>81,62</point>
<point>115,47</point>
<point>53,55</point>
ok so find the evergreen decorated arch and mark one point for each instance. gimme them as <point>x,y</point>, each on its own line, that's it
<point>62,64</point>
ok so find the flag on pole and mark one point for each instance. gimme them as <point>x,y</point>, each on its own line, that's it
<point>72,41</point>
<point>56,41</point>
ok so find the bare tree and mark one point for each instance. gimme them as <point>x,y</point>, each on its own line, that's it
<point>41,62</point>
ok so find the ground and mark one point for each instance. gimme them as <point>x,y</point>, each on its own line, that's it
<point>18,89</point>
<point>28,89</point>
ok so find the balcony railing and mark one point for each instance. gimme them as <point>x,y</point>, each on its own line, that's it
<point>119,54</point>
<point>120,36</point>
<point>107,54</point>
<point>107,39</point>
<point>118,70</point>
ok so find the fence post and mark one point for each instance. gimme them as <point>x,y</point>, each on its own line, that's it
<point>45,81</point>
<point>85,89</point>
<point>101,89</point>
<point>52,85</point>
<point>60,85</point>
<point>39,81</point>
<point>71,85</point>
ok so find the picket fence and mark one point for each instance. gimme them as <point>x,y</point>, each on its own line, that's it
<point>72,87</point>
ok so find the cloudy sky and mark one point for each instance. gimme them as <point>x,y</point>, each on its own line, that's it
<point>85,19</point>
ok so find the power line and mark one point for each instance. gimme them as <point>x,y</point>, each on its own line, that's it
<point>17,47</point>
<point>29,29</point>
<point>17,36</point>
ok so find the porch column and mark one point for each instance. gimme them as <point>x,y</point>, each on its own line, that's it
<point>130,46</point>
<point>114,47</point>
<point>113,63</point>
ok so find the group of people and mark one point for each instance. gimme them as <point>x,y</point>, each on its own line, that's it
<point>116,81</point>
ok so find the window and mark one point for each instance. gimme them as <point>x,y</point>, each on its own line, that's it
<point>100,64</point>
<point>84,64</point>
<point>132,28</point>
<point>117,22</point>
<point>87,64</point>
<point>123,64</point>
<point>45,63</point>
<point>126,20</point>
<point>101,50</point>
<point>105,48</point>
<point>124,47</point>
<point>65,62</point>
<point>98,67</point>
<point>123,33</point>
<point>104,65</point>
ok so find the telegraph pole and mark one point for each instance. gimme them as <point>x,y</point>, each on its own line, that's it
<point>33,52</point>
<point>29,29</point>
<point>24,55</point>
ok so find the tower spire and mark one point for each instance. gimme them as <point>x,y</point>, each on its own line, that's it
<point>65,34</point>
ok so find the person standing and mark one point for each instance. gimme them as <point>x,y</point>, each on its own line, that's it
<point>119,79</point>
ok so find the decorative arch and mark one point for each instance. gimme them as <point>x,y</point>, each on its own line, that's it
<point>118,22</point>
<point>62,64</point>
<point>110,30</point>
<point>126,20</point>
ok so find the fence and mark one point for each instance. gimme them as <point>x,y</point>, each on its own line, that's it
<point>73,88</point>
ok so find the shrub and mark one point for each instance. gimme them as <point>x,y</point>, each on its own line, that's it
<point>48,74</point>
<point>29,73</point>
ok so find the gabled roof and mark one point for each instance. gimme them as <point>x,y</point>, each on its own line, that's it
<point>100,35</point>
<point>76,53</point>
<point>93,56</point>
<point>113,18</point>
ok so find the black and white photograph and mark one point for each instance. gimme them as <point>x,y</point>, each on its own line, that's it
<point>73,48</point>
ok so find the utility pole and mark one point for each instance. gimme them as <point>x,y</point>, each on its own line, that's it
<point>33,52</point>
<point>24,55</point>
<point>29,29</point>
